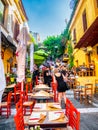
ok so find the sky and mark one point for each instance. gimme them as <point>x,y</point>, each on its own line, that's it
<point>47,17</point>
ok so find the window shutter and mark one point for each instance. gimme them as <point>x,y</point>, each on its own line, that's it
<point>84,20</point>
<point>74,36</point>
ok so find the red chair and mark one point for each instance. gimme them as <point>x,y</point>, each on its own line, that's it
<point>16,93</point>
<point>19,120</point>
<point>6,106</point>
<point>69,106</point>
<point>75,119</point>
<point>27,105</point>
<point>54,90</point>
<point>36,80</point>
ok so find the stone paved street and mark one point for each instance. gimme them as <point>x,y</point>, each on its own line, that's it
<point>89,116</point>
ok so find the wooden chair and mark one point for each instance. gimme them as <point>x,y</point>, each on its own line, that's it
<point>75,119</point>
<point>54,90</point>
<point>6,106</point>
<point>16,93</point>
<point>73,115</point>
<point>87,93</point>
<point>36,80</point>
<point>96,86</point>
<point>68,109</point>
<point>19,120</point>
<point>77,90</point>
<point>19,105</point>
<point>28,91</point>
<point>27,105</point>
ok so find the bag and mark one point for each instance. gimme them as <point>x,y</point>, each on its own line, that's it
<point>67,86</point>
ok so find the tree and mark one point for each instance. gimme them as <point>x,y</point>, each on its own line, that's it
<point>54,46</point>
<point>66,37</point>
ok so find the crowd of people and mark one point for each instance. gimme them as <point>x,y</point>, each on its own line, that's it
<point>58,73</point>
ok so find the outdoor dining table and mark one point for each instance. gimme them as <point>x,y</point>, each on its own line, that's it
<point>53,106</point>
<point>41,95</point>
<point>48,119</point>
<point>41,87</point>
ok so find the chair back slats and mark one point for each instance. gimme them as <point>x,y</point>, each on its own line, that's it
<point>6,106</point>
<point>19,120</point>
<point>73,115</point>
<point>75,119</point>
<point>54,89</point>
<point>29,87</point>
<point>96,86</point>
<point>68,109</point>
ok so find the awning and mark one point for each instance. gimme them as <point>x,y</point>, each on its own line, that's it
<point>90,37</point>
<point>7,42</point>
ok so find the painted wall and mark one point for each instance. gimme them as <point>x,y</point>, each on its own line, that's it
<point>91,13</point>
<point>8,54</point>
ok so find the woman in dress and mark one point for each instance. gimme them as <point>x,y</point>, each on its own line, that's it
<point>61,87</point>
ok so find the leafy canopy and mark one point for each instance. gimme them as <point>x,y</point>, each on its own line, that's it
<point>54,46</point>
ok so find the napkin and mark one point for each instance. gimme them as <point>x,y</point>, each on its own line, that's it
<point>42,118</point>
<point>57,116</point>
<point>41,93</point>
<point>53,106</point>
<point>37,117</point>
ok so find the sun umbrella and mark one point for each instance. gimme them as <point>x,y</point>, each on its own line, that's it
<point>2,74</point>
<point>23,38</point>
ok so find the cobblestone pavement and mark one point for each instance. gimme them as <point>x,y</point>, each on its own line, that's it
<point>88,121</point>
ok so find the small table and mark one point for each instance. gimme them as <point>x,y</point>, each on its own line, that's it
<point>53,106</point>
<point>42,95</point>
<point>41,87</point>
<point>49,119</point>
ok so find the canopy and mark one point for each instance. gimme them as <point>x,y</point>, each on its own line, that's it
<point>41,53</point>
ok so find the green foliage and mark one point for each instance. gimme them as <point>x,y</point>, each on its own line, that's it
<point>36,47</point>
<point>70,53</point>
<point>54,46</point>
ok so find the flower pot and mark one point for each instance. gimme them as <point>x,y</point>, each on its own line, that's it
<point>12,79</point>
<point>29,79</point>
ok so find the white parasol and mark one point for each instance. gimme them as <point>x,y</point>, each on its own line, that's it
<point>23,38</point>
<point>2,74</point>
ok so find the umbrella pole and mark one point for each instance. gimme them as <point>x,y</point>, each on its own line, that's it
<point>22,86</point>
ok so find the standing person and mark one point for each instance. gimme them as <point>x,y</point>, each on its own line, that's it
<point>35,73</point>
<point>61,87</point>
<point>47,77</point>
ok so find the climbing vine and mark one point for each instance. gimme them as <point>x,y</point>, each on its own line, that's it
<point>70,53</point>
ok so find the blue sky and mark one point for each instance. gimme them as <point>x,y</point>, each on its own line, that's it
<point>47,17</point>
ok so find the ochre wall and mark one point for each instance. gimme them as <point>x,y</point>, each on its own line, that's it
<point>8,54</point>
<point>91,13</point>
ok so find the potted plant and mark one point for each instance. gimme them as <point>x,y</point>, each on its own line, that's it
<point>28,77</point>
<point>12,78</point>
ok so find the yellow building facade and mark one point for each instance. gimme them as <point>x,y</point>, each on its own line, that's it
<point>12,17</point>
<point>84,33</point>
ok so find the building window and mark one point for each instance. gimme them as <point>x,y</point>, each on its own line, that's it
<point>2,8</point>
<point>84,20</point>
<point>74,36</point>
<point>97,50</point>
<point>97,3</point>
<point>16,30</point>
